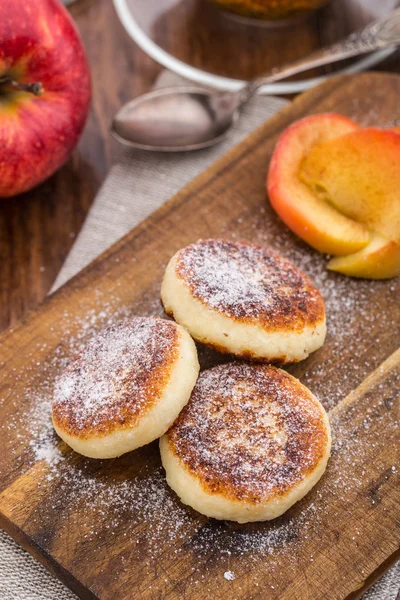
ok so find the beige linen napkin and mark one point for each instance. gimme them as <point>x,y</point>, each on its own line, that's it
<point>136,185</point>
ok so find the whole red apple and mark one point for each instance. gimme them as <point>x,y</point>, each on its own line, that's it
<point>44,91</point>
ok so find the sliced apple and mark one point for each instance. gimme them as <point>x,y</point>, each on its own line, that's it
<point>317,222</point>
<point>359,174</point>
<point>379,260</point>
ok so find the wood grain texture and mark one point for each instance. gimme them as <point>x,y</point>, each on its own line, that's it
<point>111,529</point>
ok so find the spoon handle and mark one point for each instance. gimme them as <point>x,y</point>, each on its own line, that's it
<point>377,35</point>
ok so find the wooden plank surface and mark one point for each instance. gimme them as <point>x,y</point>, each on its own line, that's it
<point>111,529</point>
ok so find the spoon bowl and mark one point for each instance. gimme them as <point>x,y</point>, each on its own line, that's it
<point>175,118</point>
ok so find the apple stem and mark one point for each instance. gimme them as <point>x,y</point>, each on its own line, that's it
<point>33,88</point>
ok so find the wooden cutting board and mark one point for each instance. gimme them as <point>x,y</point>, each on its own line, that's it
<point>112,529</point>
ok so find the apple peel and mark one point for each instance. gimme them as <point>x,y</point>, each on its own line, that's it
<point>318,223</point>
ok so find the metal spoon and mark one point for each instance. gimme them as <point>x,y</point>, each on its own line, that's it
<point>183,118</point>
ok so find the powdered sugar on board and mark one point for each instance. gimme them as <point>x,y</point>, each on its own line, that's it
<point>139,504</point>
<point>229,575</point>
<point>142,495</point>
<point>103,497</point>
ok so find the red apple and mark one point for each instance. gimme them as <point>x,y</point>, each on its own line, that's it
<point>44,91</point>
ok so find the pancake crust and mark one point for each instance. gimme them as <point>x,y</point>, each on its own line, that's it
<point>117,378</point>
<point>251,435</point>
<point>250,283</point>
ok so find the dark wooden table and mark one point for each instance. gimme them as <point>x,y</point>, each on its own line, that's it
<point>38,229</point>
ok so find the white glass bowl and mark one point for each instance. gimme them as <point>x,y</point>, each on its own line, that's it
<point>185,37</point>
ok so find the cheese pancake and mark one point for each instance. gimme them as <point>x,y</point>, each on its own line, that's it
<point>250,443</point>
<point>244,300</point>
<point>126,388</point>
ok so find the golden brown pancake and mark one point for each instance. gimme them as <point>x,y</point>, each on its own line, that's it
<point>245,300</point>
<point>250,443</point>
<point>126,387</point>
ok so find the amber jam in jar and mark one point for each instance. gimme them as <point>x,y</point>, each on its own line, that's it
<point>270,9</point>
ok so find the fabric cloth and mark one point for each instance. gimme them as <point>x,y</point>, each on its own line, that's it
<point>137,184</point>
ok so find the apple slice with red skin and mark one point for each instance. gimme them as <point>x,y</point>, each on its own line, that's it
<point>44,91</point>
<point>359,174</point>
<point>313,219</point>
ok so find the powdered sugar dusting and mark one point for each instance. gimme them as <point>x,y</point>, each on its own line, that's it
<point>246,281</point>
<point>249,431</point>
<point>117,377</point>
